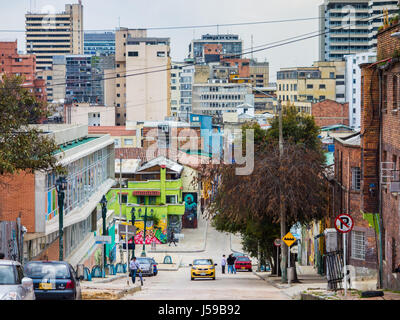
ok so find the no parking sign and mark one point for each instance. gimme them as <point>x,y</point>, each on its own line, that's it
<point>344,223</point>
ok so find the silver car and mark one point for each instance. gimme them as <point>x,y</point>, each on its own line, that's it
<point>13,284</point>
<point>146,266</point>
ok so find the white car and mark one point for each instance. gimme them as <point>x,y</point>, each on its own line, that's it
<point>13,284</point>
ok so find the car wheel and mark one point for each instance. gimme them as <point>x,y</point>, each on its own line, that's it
<point>213,278</point>
<point>191,278</point>
<point>250,270</point>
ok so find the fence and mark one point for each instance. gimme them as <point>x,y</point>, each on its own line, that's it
<point>334,272</point>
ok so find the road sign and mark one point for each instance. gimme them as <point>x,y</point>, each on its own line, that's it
<point>289,239</point>
<point>344,223</point>
<point>103,239</point>
<point>277,242</point>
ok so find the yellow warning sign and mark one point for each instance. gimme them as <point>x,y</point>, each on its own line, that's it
<point>289,239</point>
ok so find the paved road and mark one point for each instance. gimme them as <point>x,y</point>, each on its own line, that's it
<point>176,285</point>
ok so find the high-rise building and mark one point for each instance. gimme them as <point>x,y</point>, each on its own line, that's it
<point>143,77</point>
<point>353,85</point>
<point>52,34</point>
<point>231,46</point>
<point>350,26</point>
<point>101,44</point>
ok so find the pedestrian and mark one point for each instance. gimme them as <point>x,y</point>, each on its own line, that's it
<point>230,262</point>
<point>172,239</point>
<point>223,263</point>
<point>233,264</point>
<point>2,255</point>
<point>134,267</point>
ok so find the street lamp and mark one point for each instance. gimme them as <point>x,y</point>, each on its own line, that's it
<point>133,219</point>
<point>61,185</point>
<point>144,229</point>
<point>103,203</point>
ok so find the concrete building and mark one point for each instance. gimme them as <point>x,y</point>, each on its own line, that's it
<point>99,44</point>
<point>123,137</point>
<point>143,95</point>
<point>231,46</point>
<point>302,86</point>
<point>219,96</point>
<point>24,65</point>
<point>52,34</point>
<point>259,73</point>
<point>89,161</point>
<point>350,26</point>
<point>353,84</point>
<point>91,115</point>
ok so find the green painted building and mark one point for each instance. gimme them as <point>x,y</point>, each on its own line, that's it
<point>157,187</point>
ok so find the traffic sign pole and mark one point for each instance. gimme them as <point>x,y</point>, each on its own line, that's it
<point>344,261</point>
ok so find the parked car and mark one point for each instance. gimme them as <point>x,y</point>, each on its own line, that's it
<point>54,280</point>
<point>243,263</point>
<point>146,265</point>
<point>13,284</point>
<point>155,269</point>
<point>202,268</point>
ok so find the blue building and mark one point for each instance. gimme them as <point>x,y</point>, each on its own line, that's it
<point>210,133</point>
<point>101,44</point>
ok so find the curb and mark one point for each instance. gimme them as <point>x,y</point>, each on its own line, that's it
<point>186,251</point>
<point>104,294</point>
<point>111,279</point>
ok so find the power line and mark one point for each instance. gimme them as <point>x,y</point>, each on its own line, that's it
<point>192,26</point>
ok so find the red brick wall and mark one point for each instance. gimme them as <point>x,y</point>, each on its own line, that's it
<point>329,112</point>
<point>387,45</point>
<point>17,195</point>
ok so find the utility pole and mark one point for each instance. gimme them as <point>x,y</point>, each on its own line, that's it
<point>120,203</point>
<point>284,251</point>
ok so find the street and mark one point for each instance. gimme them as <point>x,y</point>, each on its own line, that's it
<point>176,285</point>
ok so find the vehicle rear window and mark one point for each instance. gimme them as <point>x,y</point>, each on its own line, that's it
<point>243,259</point>
<point>7,275</point>
<point>47,270</point>
<point>202,262</point>
<point>143,260</point>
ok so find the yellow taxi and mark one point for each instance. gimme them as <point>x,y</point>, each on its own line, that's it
<point>202,268</point>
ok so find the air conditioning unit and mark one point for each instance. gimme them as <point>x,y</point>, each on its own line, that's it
<point>395,187</point>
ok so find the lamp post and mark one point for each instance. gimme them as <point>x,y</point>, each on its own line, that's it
<point>144,229</point>
<point>120,203</point>
<point>103,203</point>
<point>61,185</point>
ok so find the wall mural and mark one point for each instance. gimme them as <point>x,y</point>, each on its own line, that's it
<point>157,234</point>
<point>189,219</point>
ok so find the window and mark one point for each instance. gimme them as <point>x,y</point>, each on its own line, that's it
<point>321,97</point>
<point>141,199</point>
<point>384,93</point>
<point>355,178</point>
<point>160,53</point>
<point>322,86</point>
<point>152,200</point>
<point>128,142</point>
<point>332,75</point>
<point>172,199</point>
<point>124,198</point>
<point>310,86</point>
<point>395,88</point>
<point>133,54</point>
<point>358,245</point>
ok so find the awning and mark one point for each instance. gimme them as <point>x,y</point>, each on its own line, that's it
<point>146,193</point>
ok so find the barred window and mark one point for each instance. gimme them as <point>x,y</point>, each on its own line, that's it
<point>355,178</point>
<point>358,245</point>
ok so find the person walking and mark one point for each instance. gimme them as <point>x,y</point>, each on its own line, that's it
<point>223,263</point>
<point>230,262</point>
<point>233,264</point>
<point>134,268</point>
<point>172,239</point>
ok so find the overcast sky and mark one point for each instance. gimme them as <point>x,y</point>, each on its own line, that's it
<point>106,14</point>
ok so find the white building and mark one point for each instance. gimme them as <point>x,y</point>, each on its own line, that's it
<point>89,161</point>
<point>353,85</point>
<point>218,97</point>
<point>350,26</point>
<point>91,115</point>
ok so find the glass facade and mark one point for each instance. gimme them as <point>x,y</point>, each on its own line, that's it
<point>84,178</point>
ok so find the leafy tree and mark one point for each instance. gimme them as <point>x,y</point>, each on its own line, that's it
<point>250,204</point>
<point>22,146</point>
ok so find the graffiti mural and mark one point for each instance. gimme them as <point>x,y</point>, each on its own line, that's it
<point>9,240</point>
<point>174,224</point>
<point>157,234</point>
<point>189,219</point>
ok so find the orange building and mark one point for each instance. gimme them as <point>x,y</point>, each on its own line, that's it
<point>23,65</point>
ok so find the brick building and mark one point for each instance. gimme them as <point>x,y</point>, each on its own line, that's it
<point>330,112</point>
<point>361,252</point>
<point>23,65</point>
<point>380,121</point>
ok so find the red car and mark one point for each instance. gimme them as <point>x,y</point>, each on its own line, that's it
<point>243,263</point>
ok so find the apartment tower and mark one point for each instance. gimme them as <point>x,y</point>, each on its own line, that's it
<point>51,34</point>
